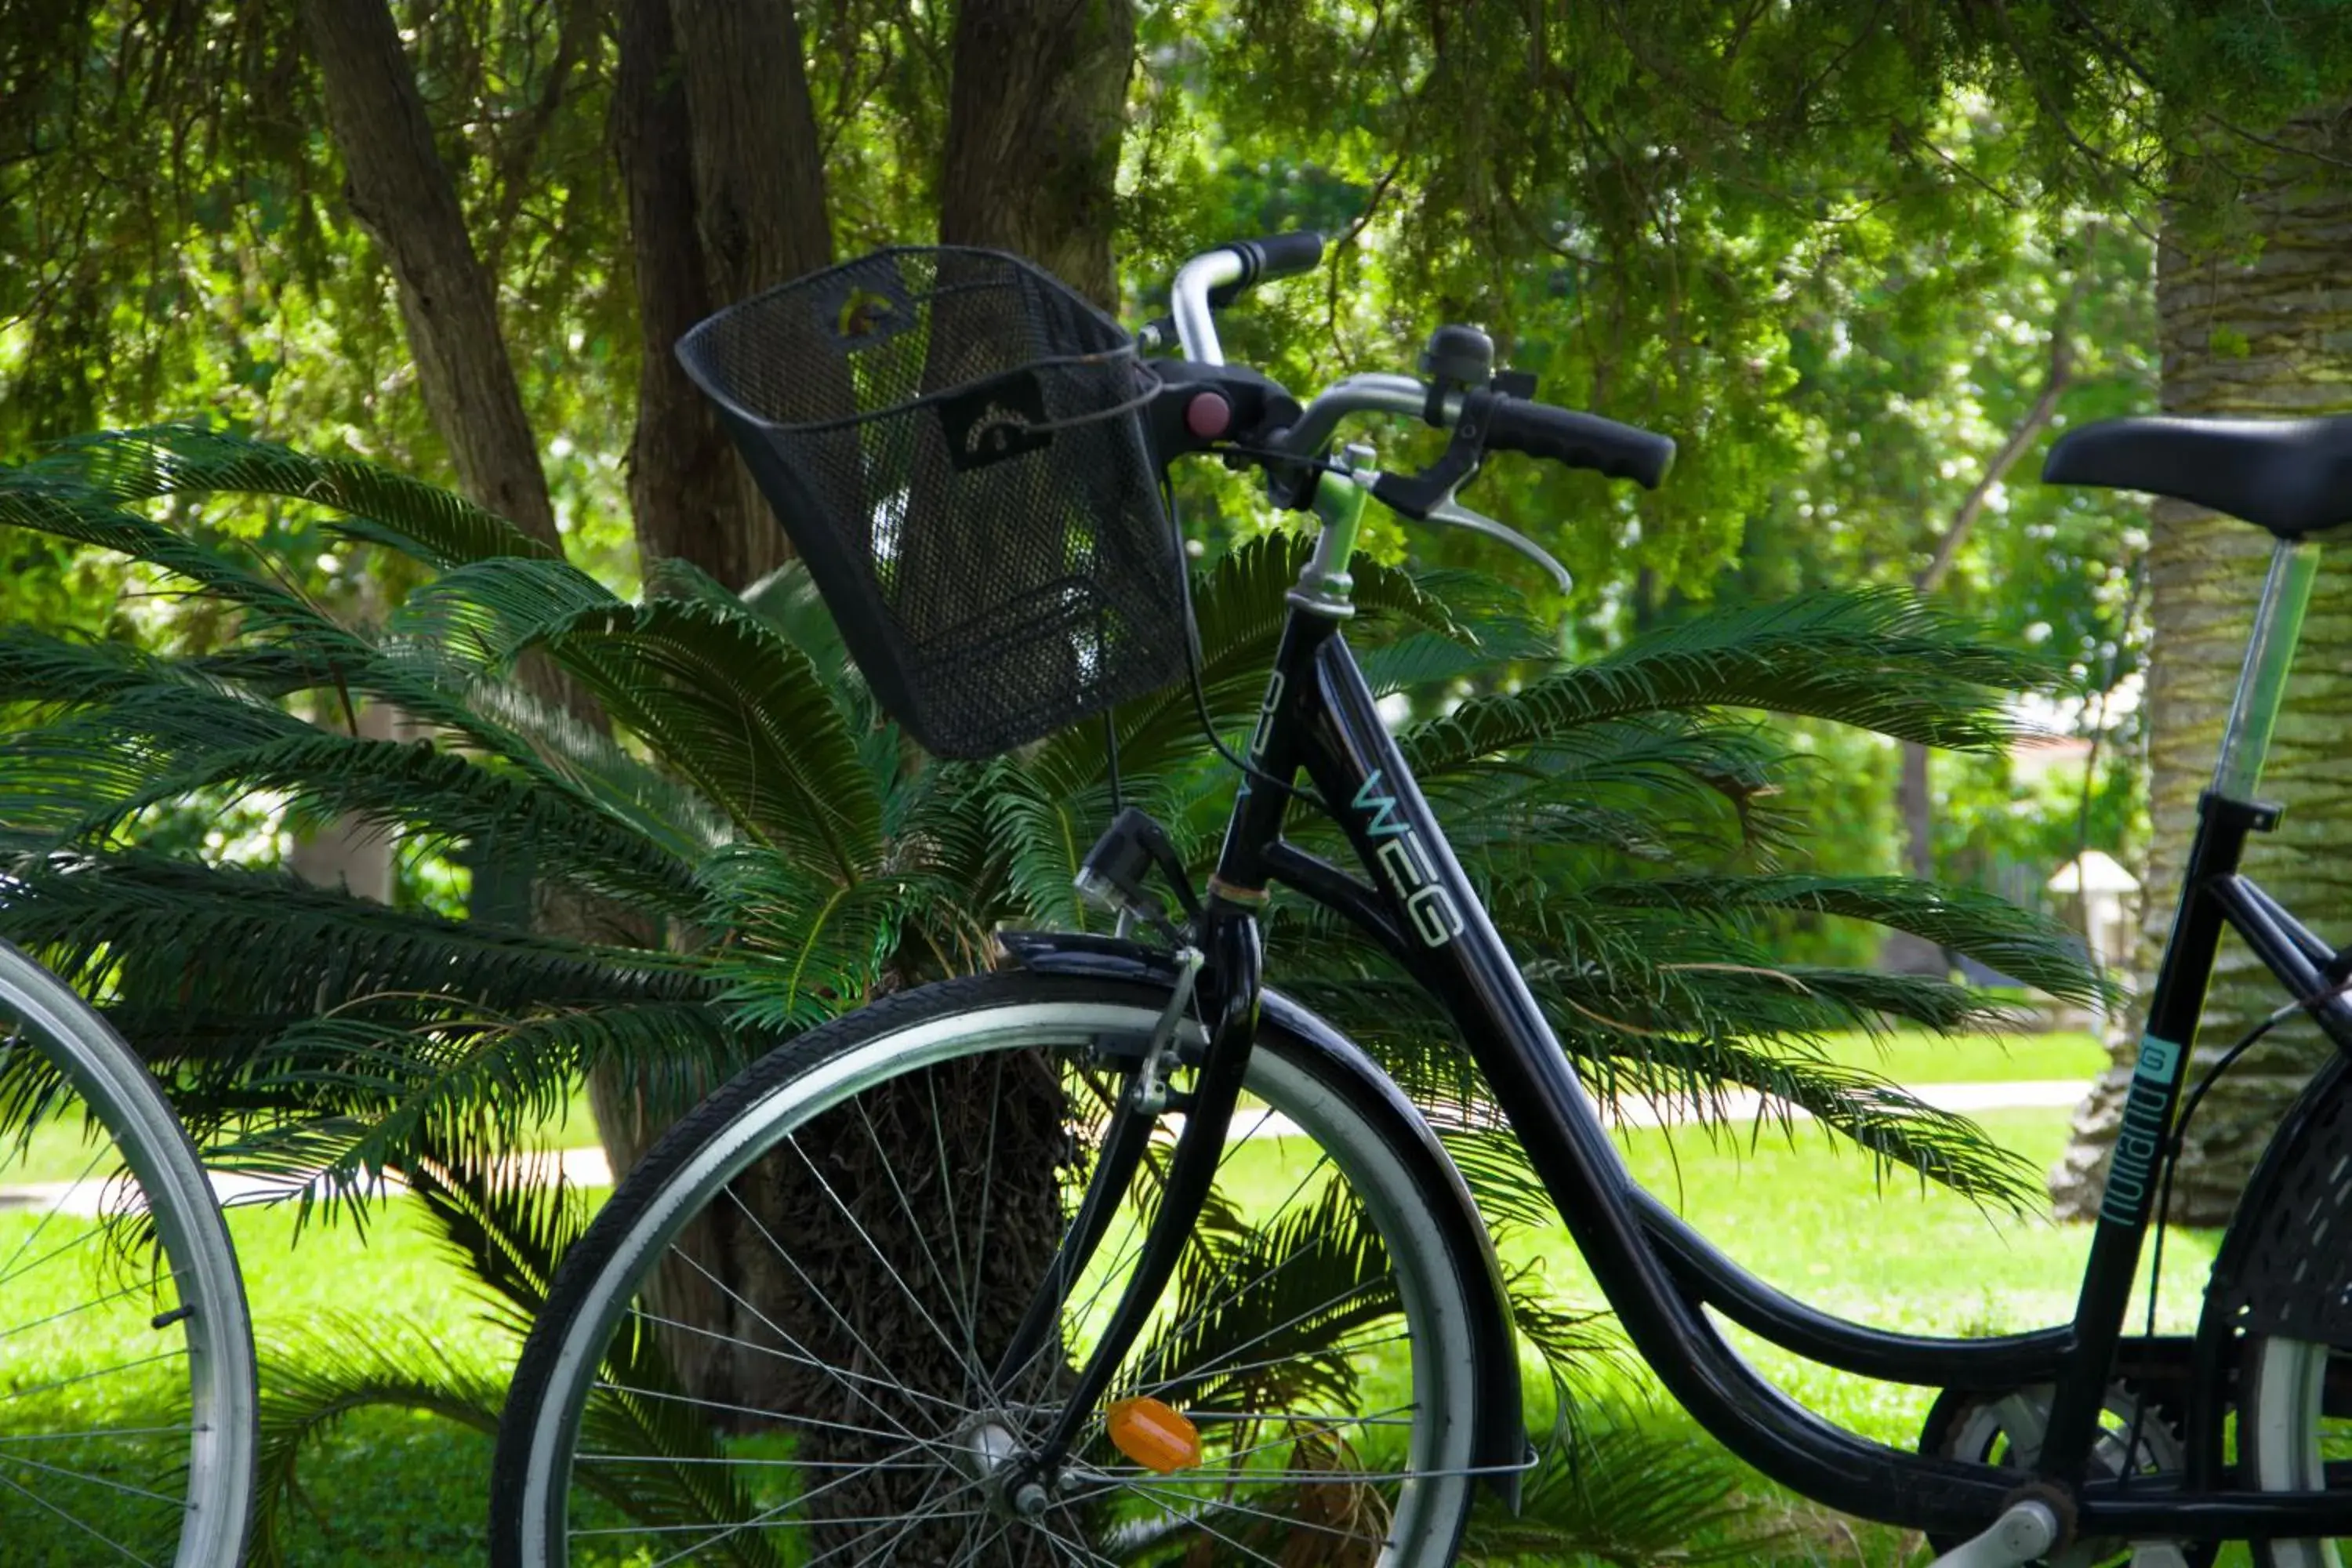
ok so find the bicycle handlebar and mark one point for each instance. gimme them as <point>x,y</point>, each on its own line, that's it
<point>1216,277</point>
<point>1276,256</point>
<point>1580,441</point>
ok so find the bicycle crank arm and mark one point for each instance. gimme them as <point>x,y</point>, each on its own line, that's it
<point>1230,935</point>
<point>2024,1533</point>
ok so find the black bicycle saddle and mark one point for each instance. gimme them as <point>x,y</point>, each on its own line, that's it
<point>2293,476</point>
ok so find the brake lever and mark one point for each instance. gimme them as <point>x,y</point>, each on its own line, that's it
<point>1454,514</point>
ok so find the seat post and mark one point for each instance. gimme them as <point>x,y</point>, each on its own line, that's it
<point>2262,681</point>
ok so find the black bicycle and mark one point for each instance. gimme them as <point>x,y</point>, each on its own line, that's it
<point>1028,1171</point>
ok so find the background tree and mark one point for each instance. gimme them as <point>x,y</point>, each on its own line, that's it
<point>2255,324</point>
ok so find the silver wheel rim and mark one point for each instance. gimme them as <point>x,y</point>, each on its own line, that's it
<point>1428,1505</point>
<point>2280,1419</point>
<point>206,1329</point>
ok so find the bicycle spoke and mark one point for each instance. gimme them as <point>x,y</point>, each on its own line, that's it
<point>987,1184</point>
<point>98,1301</point>
<point>92,1530</point>
<point>855,1338</point>
<point>782,1415</point>
<point>1076,1546</point>
<point>1199,1373</point>
<point>85,1376</point>
<point>9,1438</point>
<point>968,1297</point>
<point>786,1357</point>
<point>974,1376</point>
<point>758,1520</point>
<point>917,1228</point>
<point>1286,1521</point>
<point>810,1359</point>
<point>935,1516</point>
<point>1196,1522</point>
<point>178,1502</point>
<point>82,1239</point>
<point>9,1270</point>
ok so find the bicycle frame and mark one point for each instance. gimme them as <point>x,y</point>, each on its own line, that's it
<point>1318,717</point>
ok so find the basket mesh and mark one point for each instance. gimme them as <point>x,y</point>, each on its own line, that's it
<point>949,437</point>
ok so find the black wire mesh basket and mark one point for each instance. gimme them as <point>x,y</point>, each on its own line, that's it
<point>950,437</point>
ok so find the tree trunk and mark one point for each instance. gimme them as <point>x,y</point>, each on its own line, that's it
<point>349,853</point>
<point>1036,114</point>
<point>403,197</point>
<point>1914,798</point>
<point>689,117</point>
<point>1915,803</point>
<point>1037,106</point>
<point>2266,336</point>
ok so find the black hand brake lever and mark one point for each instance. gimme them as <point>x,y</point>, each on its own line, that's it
<point>1415,494</point>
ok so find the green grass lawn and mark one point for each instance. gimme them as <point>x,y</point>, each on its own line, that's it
<point>1814,1221</point>
<point>394,1487</point>
<point>1915,1056</point>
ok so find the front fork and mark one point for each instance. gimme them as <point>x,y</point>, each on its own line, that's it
<point>1232,986</point>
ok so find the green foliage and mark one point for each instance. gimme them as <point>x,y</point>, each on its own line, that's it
<point>796,863</point>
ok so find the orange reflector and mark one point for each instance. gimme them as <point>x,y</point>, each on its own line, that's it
<point>1154,1436</point>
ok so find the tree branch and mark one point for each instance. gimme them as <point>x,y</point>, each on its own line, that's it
<point>2060,375</point>
<point>403,195</point>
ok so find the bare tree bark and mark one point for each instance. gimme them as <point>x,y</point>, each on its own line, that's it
<point>2259,334</point>
<point>717,150</point>
<point>688,492</point>
<point>351,853</point>
<point>1034,118</point>
<point>403,195</point>
<point>758,171</point>
<point>1914,798</point>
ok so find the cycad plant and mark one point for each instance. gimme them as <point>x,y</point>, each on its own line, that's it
<point>730,844</point>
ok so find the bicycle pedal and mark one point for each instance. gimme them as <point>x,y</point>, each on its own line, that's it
<point>2025,1531</point>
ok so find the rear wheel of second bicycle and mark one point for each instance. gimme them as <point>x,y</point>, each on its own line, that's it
<point>778,1344</point>
<point>127,1403</point>
<point>2286,1437</point>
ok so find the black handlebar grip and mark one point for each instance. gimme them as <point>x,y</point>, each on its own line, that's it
<point>1580,441</point>
<point>1282,255</point>
<point>1263,260</point>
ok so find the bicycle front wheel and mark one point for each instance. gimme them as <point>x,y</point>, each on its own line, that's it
<point>779,1341</point>
<point>126,1402</point>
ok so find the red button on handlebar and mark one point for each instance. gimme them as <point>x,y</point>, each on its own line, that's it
<point>1209,416</point>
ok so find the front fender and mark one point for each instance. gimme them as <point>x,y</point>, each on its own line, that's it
<point>1501,1443</point>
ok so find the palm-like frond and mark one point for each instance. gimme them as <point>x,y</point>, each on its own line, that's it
<point>1623,1492</point>
<point>730,703</point>
<point>314,1377</point>
<point>508,1223</point>
<point>337,1102</point>
<point>175,949</point>
<point>1311,1280</point>
<point>376,504</point>
<point>1877,661</point>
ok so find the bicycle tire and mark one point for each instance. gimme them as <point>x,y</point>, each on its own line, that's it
<point>202,1320</point>
<point>599,1295</point>
<point>2281,1295</point>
